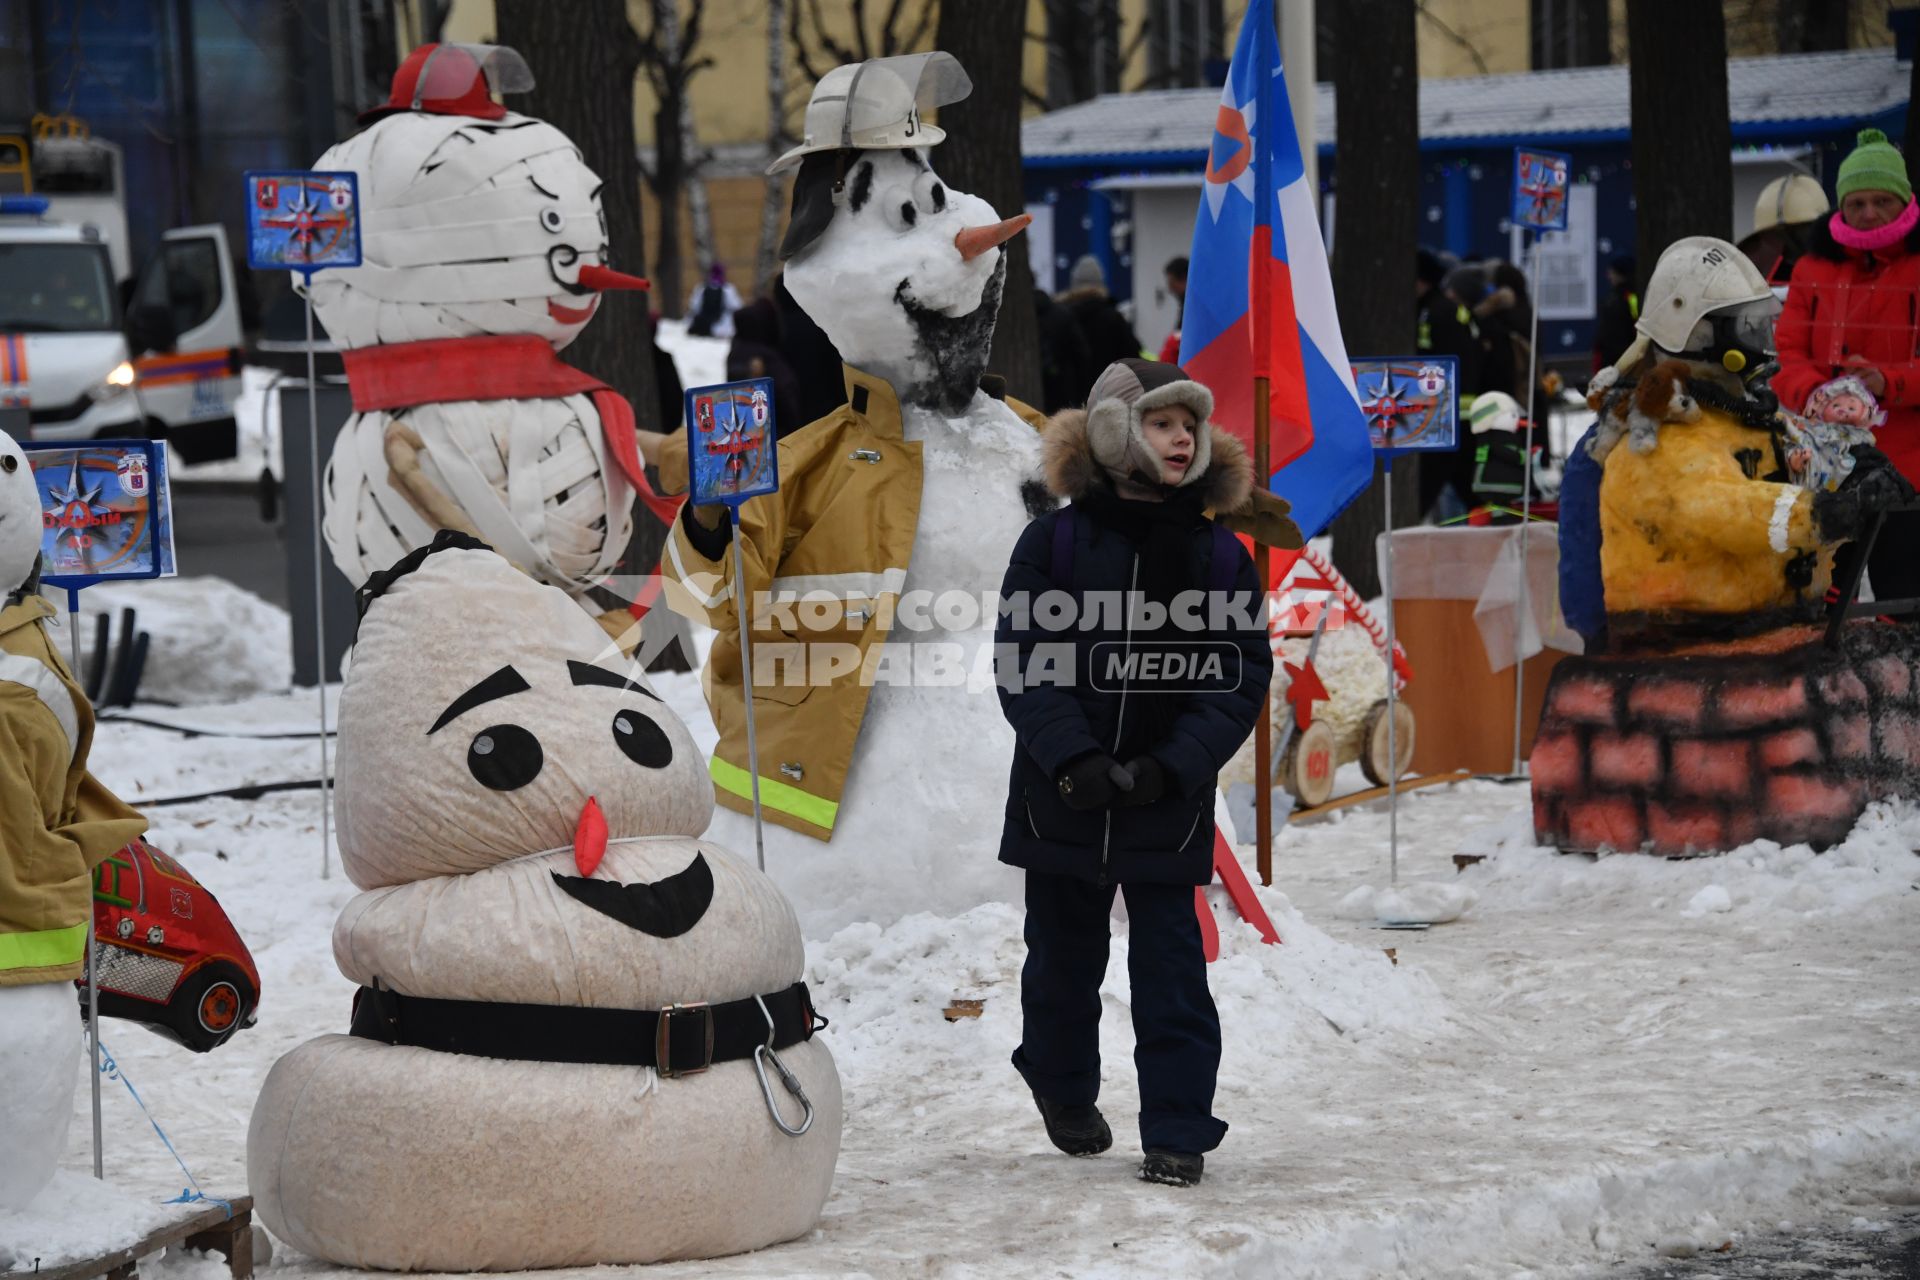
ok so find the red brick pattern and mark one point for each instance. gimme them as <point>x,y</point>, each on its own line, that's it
<point>1697,754</point>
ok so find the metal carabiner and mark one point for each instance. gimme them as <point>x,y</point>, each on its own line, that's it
<point>763,1054</point>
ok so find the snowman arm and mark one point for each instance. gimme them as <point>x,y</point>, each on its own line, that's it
<point>1048,721</point>
<point>1215,720</point>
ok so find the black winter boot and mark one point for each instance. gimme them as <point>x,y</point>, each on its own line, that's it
<point>1172,1168</point>
<point>1078,1131</point>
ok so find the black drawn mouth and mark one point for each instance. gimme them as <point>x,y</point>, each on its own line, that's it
<point>664,909</point>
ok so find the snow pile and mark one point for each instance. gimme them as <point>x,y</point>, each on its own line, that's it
<point>1756,882</point>
<point>211,641</point>
<point>67,1219</point>
<point>1429,902</point>
<point>1311,995</point>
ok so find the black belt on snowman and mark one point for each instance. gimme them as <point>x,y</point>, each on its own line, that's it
<point>679,1040</point>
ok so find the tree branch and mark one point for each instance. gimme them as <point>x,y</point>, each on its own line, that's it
<point>1472,50</point>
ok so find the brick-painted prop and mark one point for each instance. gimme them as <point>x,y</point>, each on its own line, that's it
<point>1704,749</point>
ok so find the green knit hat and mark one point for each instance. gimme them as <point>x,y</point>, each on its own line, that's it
<point>1874,165</point>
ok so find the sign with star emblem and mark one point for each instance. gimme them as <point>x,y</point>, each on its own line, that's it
<point>303,219</point>
<point>106,511</point>
<point>1411,403</point>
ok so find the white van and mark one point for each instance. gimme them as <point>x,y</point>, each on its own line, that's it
<point>167,366</point>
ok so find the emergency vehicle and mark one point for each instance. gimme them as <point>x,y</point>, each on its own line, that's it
<point>87,348</point>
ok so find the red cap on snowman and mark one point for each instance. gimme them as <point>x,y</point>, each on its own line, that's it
<point>455,80</point>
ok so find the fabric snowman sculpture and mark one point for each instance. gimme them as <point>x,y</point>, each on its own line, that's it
<point>904,274</point>
<point>56,824</point>
<point>484,253</point>
<point>522,820</point>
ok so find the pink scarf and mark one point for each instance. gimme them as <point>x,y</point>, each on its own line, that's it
<point>1880,237</point>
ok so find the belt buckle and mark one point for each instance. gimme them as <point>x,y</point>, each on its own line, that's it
<point>663,1038</point>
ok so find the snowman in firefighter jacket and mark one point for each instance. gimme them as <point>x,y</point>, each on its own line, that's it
<point>56,824</point>
<point>484,254</point>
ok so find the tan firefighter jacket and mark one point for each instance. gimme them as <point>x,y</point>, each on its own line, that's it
<point>56,821</point>
<point>842,524</point>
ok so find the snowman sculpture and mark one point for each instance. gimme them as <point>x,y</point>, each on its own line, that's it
<point>484,254</point>
<point>56,824</point>
<point>581,1035</point>
<point>898,511</point>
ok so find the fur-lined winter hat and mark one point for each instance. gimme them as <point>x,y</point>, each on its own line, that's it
<point>1123,394</point>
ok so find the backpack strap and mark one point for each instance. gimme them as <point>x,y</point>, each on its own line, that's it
<point>1223,566</point>
<point>1060,569</point>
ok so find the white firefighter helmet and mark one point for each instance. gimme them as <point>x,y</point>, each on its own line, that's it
<point>1495,411</point>
<point>1790,199</point>
<point>876,105</point>
<point>1697,275</point>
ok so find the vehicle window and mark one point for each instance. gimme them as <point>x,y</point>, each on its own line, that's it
<point>193,281</point>
<point>54,288</point>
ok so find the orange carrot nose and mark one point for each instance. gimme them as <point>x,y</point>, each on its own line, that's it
<point>974,241</point>
<point>590,838</point>
<point>600,279</point>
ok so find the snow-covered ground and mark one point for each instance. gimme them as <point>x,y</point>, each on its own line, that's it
<point>1596,1057</point>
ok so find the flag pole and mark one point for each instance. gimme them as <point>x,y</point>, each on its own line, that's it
<point>1263,728</point>
<point>1260,301</point>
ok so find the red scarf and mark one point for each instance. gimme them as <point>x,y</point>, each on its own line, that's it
<point>403,375</point>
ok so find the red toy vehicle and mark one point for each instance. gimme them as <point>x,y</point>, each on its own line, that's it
<point>169,957</point>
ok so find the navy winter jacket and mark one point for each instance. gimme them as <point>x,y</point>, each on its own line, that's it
<point>1097,707</point>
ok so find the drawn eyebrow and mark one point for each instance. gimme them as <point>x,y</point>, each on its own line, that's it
<point>862,186</point>
<point>503,683</point>
<point>584,673</point>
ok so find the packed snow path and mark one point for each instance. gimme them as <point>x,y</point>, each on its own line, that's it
<point>1597,1057</point>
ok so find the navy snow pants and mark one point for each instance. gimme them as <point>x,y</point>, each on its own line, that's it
<point>1175,1026</point>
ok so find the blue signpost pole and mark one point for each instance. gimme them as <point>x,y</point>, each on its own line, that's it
<point>93,943</point>
<point>319,592</point>
<point>740,607</point>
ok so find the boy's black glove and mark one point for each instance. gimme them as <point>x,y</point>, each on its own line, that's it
<point>1845,513</point>
<point>1149,782</point>
<point>1093,781</point>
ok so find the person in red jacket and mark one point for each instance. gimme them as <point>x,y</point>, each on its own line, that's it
<point>1853,307</point>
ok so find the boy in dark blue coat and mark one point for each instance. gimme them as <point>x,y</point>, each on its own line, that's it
<point>1125,707</point>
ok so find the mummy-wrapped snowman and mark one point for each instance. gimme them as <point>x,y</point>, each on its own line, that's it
<point>484,253</point>
<point>581,1035</point>
<point>903,505</point>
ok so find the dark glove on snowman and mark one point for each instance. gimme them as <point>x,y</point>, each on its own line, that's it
<point>1094,781</point>
<point>1149,783</point>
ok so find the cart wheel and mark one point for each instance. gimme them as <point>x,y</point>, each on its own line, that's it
<point>1373,739</point>
<point>1308,767</point>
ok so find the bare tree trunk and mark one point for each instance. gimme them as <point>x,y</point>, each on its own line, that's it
<point>982,155</point>
<point>1912,135</point>
<point>668,178</point>
<point>1376,105</point>
<point>584,72</point>
<point>1682,141</point>
<point>767,261</point>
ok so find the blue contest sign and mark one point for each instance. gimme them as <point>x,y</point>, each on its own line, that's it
<point>302,219</point>
<point>106,511</point>
<point>1412,403</point>
<point>730,439</point>
<point>1540,189</point>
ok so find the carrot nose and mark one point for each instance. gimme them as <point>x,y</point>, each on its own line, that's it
<point>974,241</point>
<point>590,838</point>
<point>600,279</point>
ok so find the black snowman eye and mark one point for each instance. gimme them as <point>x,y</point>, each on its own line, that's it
<point>9,463</point>
<point>642,740</point>
<point>897,205</point>
<point>929,194</point>
<point>505,757</point>
<point>552,219</point>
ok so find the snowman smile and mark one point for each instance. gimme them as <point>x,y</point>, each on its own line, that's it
<point>663,909</point>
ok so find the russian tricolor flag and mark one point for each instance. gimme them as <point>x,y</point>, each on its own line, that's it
<point>1260,297</point>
